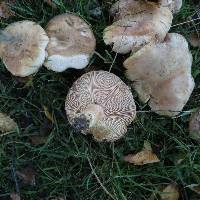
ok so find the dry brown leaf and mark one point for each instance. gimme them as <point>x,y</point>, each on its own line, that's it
<point>15,196</point>
<point>194,39</point>
<point>170,193</point>
<point>195,188</point>
<point>27,176</point>
<point>6,123</point>
<point>194,126</point>
<point>143,157</point>
<point>51,3</point>
<point>48,114</point>
<point>38,140</point>
<point>5,11</point>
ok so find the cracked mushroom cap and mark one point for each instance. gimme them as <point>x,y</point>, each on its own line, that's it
<point>22,47</point>
<point>136,25</point>
<point>71,45</point>
<point>161,74</point>
<point>101,104</point>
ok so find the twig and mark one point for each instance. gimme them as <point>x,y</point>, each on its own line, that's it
<point>98,180</point>
<point>185,22</point>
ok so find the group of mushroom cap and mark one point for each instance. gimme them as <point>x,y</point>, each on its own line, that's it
<point>99,102</point>
<point>66,42</point>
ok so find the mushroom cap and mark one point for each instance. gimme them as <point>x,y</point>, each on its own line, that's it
<point>124,8</point>
<point>161,74</point>
<point>173,5</point>
<point>24,53</point>
<point>141,24</point>
<point>105,96</point>
<point>71,45</point>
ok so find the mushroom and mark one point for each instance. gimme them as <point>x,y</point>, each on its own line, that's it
<point>22,47</point>
<point>173,5</point>
<point>161,74</point>
<point>71,45</point>
<point>101,104</point>
<point>136,23</point>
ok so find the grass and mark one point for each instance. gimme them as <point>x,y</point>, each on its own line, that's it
<point>72,166</point>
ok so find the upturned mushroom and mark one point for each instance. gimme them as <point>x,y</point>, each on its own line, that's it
<point>71,45</point>
<point>22,47</point>
<point>161,74</point>
<point>136,23</point>
<point>101,104</point>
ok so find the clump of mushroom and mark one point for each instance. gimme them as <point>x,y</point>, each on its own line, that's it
<point>71,43</point>
<point>161,74</point>
<point>22,47</point>
<point>136,23</point>
<point>101,104</point>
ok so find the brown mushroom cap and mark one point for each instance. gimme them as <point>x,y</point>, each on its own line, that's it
<point>161,74</point>
<point>137,25</point>
<point>71,43</point>
<point>22,47</point>
<point>101,104</point>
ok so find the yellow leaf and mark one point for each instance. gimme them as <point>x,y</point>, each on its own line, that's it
<point>170,193</point>
<point>6,123</point>
<point>48,114</point>
<point>143,157</point>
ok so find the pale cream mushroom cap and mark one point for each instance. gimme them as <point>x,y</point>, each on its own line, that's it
<point>141,24</point>
<point>161,74</point>
<point>173,5</point>
<point>101,104</point>
<point>71,45</point>
<point>24,52</point>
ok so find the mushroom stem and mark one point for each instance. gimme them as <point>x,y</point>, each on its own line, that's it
<point>88,118</point>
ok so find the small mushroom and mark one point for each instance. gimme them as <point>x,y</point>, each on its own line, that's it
<point>101,104</point>
<point>22,47</point>
<point>136,23</point>
<point>161,74</point>
<point>71,45</point>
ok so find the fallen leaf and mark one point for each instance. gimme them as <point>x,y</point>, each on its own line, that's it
<point>195,188</point>
<point>6,123</point>
<point>194,125</point>
<point>51,3</point>
<point>41,137</point>
<point>194,39</point>
<point>27,176</point>
<point>23,79</point>
<point>48,114</point>
<point>15,196</point>
<point>170,193</point>
<point>38,140</point>
<point>143,157</point>
<point>5,10</point>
